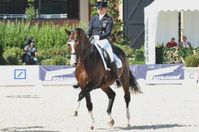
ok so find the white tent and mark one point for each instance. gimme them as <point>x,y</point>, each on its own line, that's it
<point>162,23</point>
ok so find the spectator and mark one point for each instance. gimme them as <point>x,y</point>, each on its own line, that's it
<point>171,43</point>
<point>29,57</point>
<point>185,43</point>
<point>33,53</point>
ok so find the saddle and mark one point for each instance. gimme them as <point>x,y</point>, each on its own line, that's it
<point>106,57</point>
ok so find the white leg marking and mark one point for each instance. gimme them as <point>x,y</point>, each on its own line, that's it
<point>127,115</point>
<point>92,119</point>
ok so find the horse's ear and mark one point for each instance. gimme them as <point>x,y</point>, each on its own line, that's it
<point>67,32</point>
<point>79,31</point>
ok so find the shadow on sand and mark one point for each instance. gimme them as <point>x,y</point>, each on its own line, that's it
<point>147,127</point>
<point>158,126</point>
<point>26,129</point>
<point>23,96</point>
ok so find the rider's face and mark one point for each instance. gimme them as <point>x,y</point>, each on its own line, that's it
<point>102,11</point>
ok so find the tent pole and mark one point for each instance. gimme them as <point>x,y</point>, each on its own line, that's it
<point>179,27</point>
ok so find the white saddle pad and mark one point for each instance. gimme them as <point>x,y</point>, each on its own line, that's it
<point>117,61</point>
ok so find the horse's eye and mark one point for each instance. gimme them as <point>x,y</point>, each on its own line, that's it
<point>76,42</point>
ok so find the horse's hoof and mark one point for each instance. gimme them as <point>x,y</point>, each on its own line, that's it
<point>128,125</point>
<point>111,123</point>
<point>76,113</point>
<point>92,128</point>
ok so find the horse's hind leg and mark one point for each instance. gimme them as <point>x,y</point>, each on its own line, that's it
<point>89,106</point>
<point>127,98</point>
<point>111,95</point>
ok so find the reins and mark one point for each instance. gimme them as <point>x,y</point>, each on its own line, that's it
<point>85,53</point>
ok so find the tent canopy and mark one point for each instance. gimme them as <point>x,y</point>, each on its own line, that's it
<point>172,5</point>
<point>162,23</point>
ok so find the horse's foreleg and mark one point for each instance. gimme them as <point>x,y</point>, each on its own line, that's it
<point>127,98</point>
<point>89,106</point>
<point>111,95</point>
<point>77,108</point>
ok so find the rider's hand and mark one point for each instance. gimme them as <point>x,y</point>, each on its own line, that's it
<point>96,37</point>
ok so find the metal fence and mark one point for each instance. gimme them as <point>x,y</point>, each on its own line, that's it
<point>23,16</point>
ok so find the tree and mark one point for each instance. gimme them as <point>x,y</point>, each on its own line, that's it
<point>31,12</point>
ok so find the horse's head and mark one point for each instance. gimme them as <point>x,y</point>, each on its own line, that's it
<point>78,43</point>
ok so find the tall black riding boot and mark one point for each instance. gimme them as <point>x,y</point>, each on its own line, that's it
<point>116,74</point>
<point>76,85</point>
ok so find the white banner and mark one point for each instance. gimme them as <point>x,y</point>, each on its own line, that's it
<point>19,75</point>
<point>191,75</point>
<point>57,75</point>
<point>64,75</point>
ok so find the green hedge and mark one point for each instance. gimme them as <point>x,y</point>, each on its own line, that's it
<point>50,41</point>
<point>61,56</point>
<point>192,61</point>
<point>12,56</point>
<point>14,34</point>
<point>176,55</point>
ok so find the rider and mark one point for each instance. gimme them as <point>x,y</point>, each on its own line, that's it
<point>100,28</point>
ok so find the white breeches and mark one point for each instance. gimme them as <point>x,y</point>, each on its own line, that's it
<point>106,46</point>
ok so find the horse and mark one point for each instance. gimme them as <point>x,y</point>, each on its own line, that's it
<point>91,74</point>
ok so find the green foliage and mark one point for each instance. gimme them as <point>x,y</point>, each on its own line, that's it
<point>192,61</point>
<point>176,55</point>
<point>12,55</point>
<point>31,1</point>
<point>14,34</point>
<point>53,56</point>
<point>134,56</point>
<point>47,62</point>
<point>57,60</point>
<point>184,52</point>
<point>50,40</point>
<point>31,12</point>
<point>139,54</point>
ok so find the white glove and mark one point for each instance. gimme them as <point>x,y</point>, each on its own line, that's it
<point>96,37</point>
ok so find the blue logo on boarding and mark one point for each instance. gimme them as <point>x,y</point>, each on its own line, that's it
<point>19,73</point>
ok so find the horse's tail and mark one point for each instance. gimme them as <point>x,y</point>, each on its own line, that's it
<point>134,86</point>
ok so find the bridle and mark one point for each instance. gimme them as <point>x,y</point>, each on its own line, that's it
<point>84,53</point>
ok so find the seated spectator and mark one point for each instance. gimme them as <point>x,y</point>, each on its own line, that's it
<point>171,43</point>
<point>185,43</point>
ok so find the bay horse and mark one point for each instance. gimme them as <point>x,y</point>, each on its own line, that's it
<point>91,74</point>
